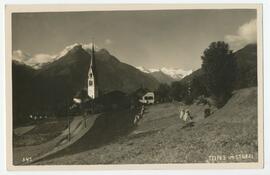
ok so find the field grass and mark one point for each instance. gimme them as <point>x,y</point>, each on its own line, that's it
<point>42,132</point>
<point>228,135</point>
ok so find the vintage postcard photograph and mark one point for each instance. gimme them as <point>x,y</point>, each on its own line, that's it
<point>126,86</point>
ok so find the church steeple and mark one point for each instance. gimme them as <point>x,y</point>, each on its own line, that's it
<point>92,56</point>
<point>92,82</point>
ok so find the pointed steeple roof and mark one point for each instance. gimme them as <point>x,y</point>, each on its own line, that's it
<point>92,55</point>
<point>92,61</point>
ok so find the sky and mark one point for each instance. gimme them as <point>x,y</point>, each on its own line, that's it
<point>152,39</point>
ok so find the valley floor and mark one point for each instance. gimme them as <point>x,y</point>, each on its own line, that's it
<point>228,135</point>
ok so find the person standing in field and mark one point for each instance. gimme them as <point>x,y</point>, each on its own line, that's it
<point>181,113</point>
<point>187,116</point>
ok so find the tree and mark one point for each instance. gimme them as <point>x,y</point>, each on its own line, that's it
<point>219,66</point>
<point>198,87</point>
<point>163,92</point>
<point>177,90</point>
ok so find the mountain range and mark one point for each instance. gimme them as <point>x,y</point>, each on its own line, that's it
<point>38,61</point>
<point>166,75</point>
<point>53,86</point>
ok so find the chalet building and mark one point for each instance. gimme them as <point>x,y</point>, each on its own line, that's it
<point>148,98</point>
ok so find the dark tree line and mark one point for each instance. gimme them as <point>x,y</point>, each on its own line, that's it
<point>181,91</point>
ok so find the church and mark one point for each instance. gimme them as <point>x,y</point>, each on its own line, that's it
<point>85,98</point>
<point>92,88</point>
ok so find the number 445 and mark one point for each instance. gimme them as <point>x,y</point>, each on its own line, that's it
<point>27,159</point>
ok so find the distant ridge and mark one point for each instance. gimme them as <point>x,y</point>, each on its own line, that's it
<point>174,73</point>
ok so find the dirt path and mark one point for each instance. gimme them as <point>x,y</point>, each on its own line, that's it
<point>37,152</point>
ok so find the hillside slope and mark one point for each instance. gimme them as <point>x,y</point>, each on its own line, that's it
<point>246,59</point>
<point>116,75</point>
<point>162,138</point>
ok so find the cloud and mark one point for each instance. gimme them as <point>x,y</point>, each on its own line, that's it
<point>246,34</point>
<point>108,41</point>
<point>19,55</point>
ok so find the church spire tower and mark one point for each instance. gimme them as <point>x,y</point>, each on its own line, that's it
<point>92,77</point>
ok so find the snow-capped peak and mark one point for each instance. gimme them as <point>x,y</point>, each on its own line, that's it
<point>175,73</point>
<point>38,60</point>
<point>145,70</point>
<point>68,48</point>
